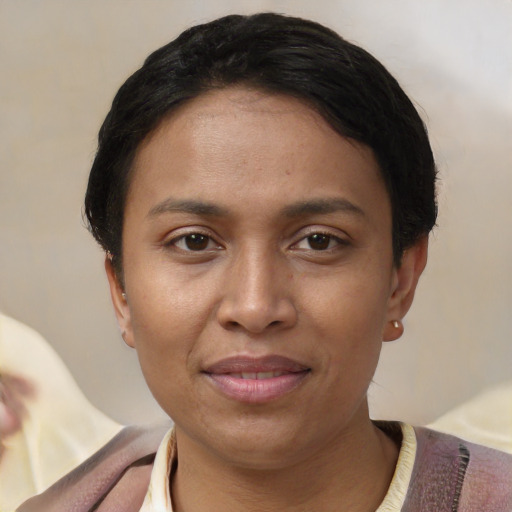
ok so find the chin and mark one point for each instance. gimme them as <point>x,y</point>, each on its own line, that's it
<point>258,443</point>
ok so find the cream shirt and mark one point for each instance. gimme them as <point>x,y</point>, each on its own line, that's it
<point>158,497</point>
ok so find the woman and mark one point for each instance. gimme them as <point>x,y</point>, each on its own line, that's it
<point>264,191</point>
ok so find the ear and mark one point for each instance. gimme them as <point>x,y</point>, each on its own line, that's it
<point>121,307</point>
<point>404,284</point>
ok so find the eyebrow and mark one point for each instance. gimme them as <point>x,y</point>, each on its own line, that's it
<point>322,206</point>
<point>299,209</point>
<point>187,206</point>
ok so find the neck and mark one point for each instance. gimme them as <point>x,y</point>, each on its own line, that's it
<point>352,473</point>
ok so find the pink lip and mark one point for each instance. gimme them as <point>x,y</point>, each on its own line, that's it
<point>226,376</point>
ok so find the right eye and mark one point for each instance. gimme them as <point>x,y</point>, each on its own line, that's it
<point>196,242</point>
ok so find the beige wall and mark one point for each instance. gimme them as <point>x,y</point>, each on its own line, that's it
<point>61,63</point>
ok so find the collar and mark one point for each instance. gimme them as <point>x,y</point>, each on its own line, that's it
<point>158,497</point>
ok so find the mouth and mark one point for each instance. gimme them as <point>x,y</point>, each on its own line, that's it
<point>256,380</point>
<point>257,375</point>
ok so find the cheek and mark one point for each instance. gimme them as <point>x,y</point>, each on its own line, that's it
<point>164,329</point>
<point>163,341</point>
<point>347,319</point>
<point>353,305</point>
<point>166,302</point>
<point>168,312</point>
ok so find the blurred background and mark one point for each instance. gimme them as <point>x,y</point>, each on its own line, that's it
<point>63,61</point>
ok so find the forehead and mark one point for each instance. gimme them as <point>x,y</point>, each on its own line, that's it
<point>239,144</point>
<point>245,121</point>
<point>242,114</point>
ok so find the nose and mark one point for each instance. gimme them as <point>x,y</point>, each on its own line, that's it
<point>257,295</point>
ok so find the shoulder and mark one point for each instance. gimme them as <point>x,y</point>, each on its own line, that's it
<point>452,474</point>
<point>117,476</point>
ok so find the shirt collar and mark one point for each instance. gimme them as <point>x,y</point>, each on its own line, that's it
<point>158,497</point>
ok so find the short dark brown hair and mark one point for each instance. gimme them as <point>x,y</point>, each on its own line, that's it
<point>353,91</point>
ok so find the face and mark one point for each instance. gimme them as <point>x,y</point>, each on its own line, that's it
<point>259,276</point>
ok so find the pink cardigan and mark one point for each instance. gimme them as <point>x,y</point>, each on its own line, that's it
<point>449,475</point>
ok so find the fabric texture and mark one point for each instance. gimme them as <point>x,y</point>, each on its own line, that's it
<point>485,419</point>
<point>114,479</point>
<point>47,426</point>
<point>452,475</point>
<point>132,472</point>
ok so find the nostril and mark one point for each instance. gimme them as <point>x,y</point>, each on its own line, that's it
<point>255,316</point>
<point>233,324</point>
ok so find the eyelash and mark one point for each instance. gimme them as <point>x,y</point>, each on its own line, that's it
<point>331,238</point>
<point>173,242</point>
<point>208,239</point>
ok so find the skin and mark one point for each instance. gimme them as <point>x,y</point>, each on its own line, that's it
<point>273,272</point>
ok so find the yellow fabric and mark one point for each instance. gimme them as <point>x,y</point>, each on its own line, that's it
<point>485,419</point>
<point>60,428</point>
<point>158,497</point>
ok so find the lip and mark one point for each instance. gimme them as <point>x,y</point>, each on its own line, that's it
<point>256,380</point>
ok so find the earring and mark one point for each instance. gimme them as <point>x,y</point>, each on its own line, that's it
<point>393,329</point>
<point>124,296</point>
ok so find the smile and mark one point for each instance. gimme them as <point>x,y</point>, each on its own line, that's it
<point>253,381</point>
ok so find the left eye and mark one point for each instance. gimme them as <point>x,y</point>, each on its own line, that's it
<point>195,242</point>
<point>318,242</point>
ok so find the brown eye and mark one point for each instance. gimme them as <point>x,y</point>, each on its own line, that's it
<point>319,241</point>
<point>196,242</point>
